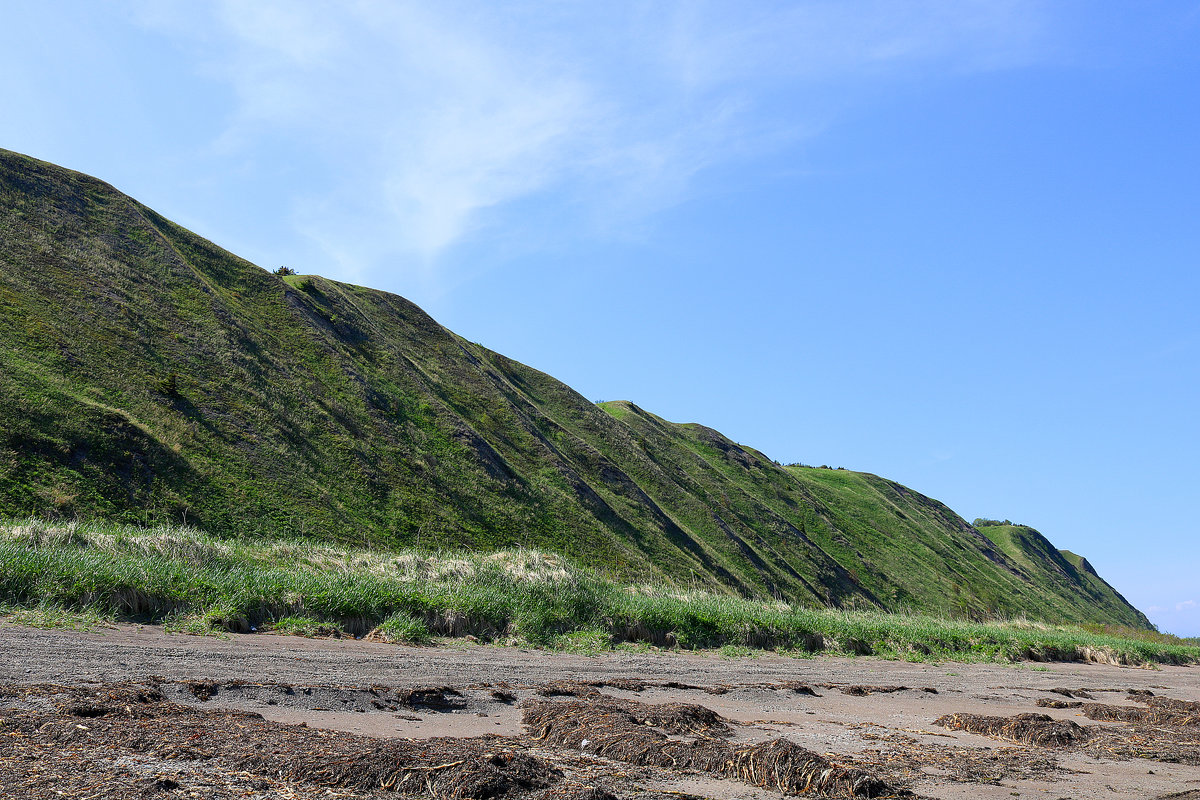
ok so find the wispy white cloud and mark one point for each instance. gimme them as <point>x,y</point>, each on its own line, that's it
<point>429,118</point>
<point>1186,605</point>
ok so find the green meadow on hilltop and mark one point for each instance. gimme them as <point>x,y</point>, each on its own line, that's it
<point>148,377</point>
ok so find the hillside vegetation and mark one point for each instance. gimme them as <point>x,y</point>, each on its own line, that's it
<point>149,377</point>
<point>89,574</point>
<point>1044,565</point>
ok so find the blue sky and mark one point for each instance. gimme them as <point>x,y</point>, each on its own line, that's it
<point>952,243</point>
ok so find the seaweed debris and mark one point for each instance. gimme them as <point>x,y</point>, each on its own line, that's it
<point>135,743</point>
<point>684,736</point>
<point>1179,715</point>
<point>1047,703</point>
<point>1033,729</point>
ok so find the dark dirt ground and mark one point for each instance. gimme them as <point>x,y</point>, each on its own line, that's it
<point>136,713</point>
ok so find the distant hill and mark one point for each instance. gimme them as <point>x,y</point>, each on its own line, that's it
<point>146,375</point>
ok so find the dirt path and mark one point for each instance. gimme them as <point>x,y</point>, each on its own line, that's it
<point>570,725</point>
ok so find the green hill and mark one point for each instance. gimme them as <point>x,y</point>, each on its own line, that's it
<point>1045,566</point>
<point>148,376</point>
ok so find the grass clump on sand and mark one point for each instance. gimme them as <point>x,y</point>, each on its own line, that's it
<point>196,583</point>
<point>55,617</point>
<point>402,628</point>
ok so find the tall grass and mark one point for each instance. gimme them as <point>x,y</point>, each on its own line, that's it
<point>196,582</point>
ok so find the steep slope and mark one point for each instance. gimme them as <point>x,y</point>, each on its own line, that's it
<point>1061,571</point>
<point>147,375</point>
<point>880,531</point>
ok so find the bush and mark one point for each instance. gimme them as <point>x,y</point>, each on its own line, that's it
<point>169,385</point>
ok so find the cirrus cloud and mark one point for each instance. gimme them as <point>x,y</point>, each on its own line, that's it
<point>432,119</point>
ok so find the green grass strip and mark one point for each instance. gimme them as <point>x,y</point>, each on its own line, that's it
<point>198,583</point>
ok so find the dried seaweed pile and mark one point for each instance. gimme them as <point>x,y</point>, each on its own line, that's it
<point>1166,731</point>
<point>1163,732</point>
<point>577,688</point>
<point>1042,702</point>
<point>569,688</point>
<point>796,687</point>
<point>381,698</point>
<point>682,736</point>
<point>1161,711</point>
<point>1152,742</point>
<point>905,759</point>
<point>626,684</point>
<point>1032,729</point>
<point>863,691</point>
<point>130,740</point>
<point>406,768</point>
<point>1184,706</point>
<point>127,741</point>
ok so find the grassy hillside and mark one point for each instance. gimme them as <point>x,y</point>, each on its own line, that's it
<point>1058,572</point>
<point>147,377</point>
